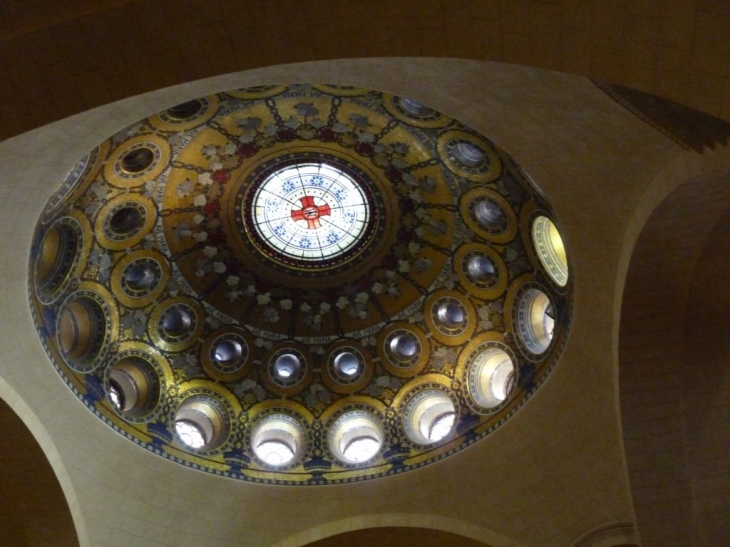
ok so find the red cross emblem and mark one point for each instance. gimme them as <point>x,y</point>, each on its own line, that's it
<point>310,212</point>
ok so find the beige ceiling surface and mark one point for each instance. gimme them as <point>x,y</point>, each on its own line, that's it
<point>60,58</point>
<point>552,473</point>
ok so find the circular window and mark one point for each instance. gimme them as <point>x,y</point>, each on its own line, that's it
<point>229,353</point>
<point>416,109</point>
<point>480,270</point>
<point>489,215</point>
<point>190,433</point>
<point>347,364</point>
<point>346,369</point>
<point>491,376</point>
<point>185,110</point>
<point>127,219</point>
<point>141,276</point>
<point>356,437</point>
<point>177,323</point>
<point>133,388</point>
<point>550,249</point>
<point>81,332</point>
<point>137,160</point>
<point>450,316</point>
<point>535,320</point>
<point>287,367</point>
<point>403,347</point>
<point>59,252</point>
<point>278,440</point>
<point>468,154</point>
<point>313,213</point>
<point>201,423</point>
<point>116,395</point>
<point>429,416</point>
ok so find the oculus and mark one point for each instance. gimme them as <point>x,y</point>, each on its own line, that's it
<point>450,316</point>
<point>356,437</point>
<point>201,423</point>
<point>535,320</point>
<point>489,215</point>
<point>278,439</point>
<point>185,110</point>
<point>550,250</point>
<point>491,376</point>
<point>137,160</point>
<point>429,416</point>
<point>310,212</point>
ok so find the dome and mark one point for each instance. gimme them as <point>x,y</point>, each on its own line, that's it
<point>301,284</point>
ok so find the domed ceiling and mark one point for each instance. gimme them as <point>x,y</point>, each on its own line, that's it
<point>301,284</point>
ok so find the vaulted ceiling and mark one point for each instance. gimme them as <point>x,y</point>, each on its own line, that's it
<point>582,457</point>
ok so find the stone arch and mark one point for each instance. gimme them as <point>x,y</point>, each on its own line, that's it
<point>618,534</point>
<point>45,509</point>
<point>451,526</point>
<point>671,341</point>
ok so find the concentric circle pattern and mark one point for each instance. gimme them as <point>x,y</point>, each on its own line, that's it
<point>314,214</point>
<point>305,284</point>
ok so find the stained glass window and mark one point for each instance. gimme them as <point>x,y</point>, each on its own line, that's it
<point>310,211</point>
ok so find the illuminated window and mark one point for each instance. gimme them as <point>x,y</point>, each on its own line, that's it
<point>356,436</point>
<point>141,276</point>
<point>441,426</point>
<point>536,320</point>
<point>491,377</point>
<point>177,322</point>
<point>310,211</point>
<point>116,396</point>
<point>489,215</point>
<point>133,387</point>
<point>469,154</point>
<point>286,366</point>
<point>201,423</point>
<point>278,439</point>
<point>361,449</point>
<point>190,433</point>
<point>229,353</point>
<point>480,270</point>
<point>429,416</point>
<point>415,108</point>
<point>550,249</point>
<point>404,346</point>
<point>449,316</point>
<point>275,452</point>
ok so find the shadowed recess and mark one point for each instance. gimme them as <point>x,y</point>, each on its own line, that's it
<point>397,537</point>
<point>38,515</point>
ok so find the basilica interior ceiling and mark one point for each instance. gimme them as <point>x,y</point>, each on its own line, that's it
<point>301,284</point>
<point>560,469</point>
